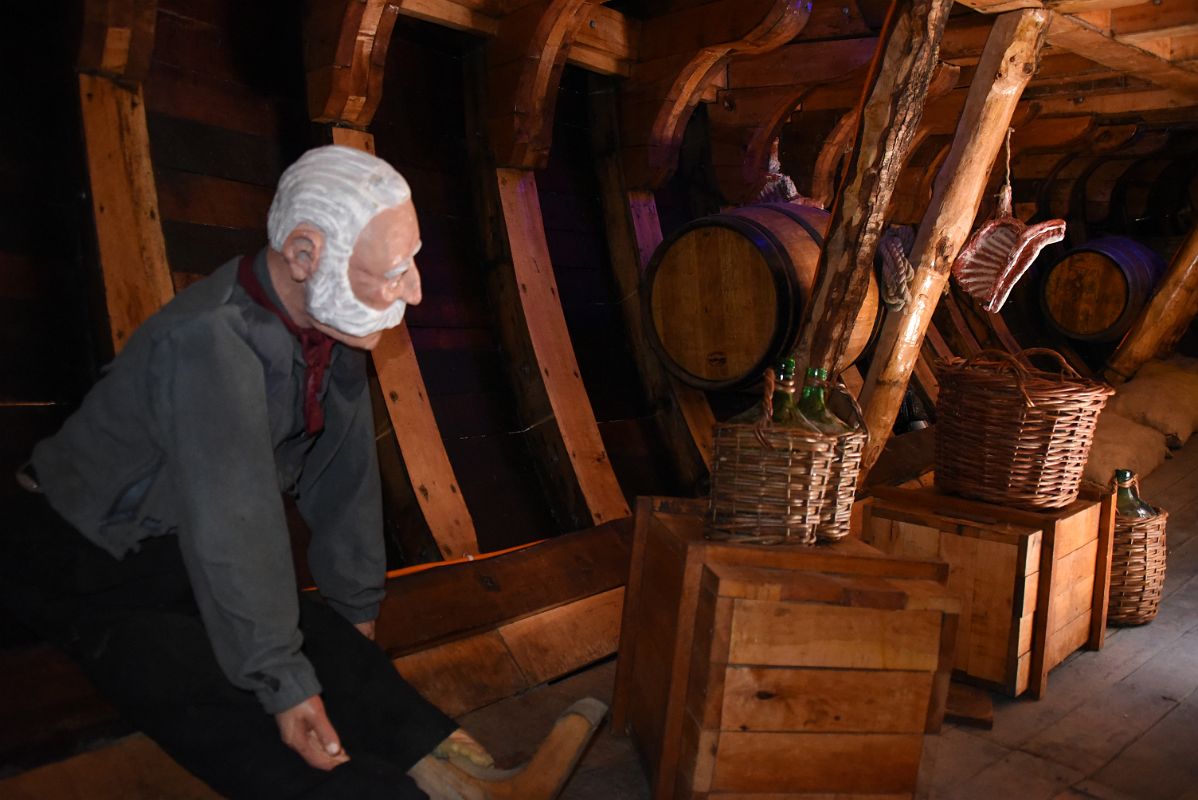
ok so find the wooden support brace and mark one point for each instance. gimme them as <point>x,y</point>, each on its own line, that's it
<point>891,108</point>
<point>1010,56</point>
<point>353,38</point>
<point>552,375</point>
<point>1171,309</point>
<point>137,278</point>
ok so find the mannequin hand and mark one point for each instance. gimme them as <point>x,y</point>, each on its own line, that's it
<point>366,629</point>
<point>306,729</point>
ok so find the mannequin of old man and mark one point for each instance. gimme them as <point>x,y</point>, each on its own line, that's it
<point>152,543</point>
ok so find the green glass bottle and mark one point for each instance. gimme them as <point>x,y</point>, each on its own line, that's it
<point>813,403</point>
<point>1127,501</point>
<point>785,409</point>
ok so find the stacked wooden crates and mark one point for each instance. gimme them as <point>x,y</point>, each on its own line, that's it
<point>1032,584</point>
<point>767,672</point>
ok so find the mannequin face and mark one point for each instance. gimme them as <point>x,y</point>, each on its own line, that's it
<point>381,271</point>
<point>382,267</point>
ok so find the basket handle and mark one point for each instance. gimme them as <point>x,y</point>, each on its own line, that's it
<point>1009,363</point>
<point>855,406</point>
<point>769,383</point>
<point>1048,351</point>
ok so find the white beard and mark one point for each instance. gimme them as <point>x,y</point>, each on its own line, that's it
<point>331,301</point>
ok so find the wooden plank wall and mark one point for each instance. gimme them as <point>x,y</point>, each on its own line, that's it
<point>225,113</point>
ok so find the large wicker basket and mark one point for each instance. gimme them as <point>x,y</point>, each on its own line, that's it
<point>773,484</point>
<point>1010,434</point>
<point>1137,569</point>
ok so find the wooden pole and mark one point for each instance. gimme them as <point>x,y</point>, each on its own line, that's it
<point>892,105</point>
<point>1010,56</point>
<point>1164,319</point>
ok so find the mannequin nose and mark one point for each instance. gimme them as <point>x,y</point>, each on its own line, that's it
<point>406,287</point>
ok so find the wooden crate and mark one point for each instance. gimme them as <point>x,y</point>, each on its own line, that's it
<point>750,671</point>
<point>1033,584</point>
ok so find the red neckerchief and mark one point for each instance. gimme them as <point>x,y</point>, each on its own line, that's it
<point>316,346</point>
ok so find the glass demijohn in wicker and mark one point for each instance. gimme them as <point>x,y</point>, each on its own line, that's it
<point>777,479</point>
<point>1138,555</point>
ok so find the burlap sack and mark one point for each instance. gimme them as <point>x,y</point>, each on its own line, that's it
<point>1120,443</point>
<point>1162,396</point>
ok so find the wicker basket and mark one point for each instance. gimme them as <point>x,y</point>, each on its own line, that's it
<point>837,512</point>
<point>1137,569</point>
<point>1010,434</point>
<point>773,484</point>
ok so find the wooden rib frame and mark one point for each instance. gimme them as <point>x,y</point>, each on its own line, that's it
<point>346,91</point>
<point>114,57</point>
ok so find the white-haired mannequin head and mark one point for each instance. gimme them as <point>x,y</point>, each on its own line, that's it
<point>338,191</point>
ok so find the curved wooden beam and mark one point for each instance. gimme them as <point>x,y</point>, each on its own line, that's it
<point>748,115</point>
<point>838,145</point>
<point>681,53</point>
<point>524,67</point>
<point>345,53</point>
<point>118,38</point>
<point>352,37</point>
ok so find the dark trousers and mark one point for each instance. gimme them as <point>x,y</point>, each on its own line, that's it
<point>134,627</point>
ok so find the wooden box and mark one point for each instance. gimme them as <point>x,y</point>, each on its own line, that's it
<point>1032,584</point>
<point>748,671</point>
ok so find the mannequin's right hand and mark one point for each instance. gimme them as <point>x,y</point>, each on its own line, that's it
<point>306,729</point>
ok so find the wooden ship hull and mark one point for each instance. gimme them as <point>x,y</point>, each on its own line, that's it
<point>551,146</point>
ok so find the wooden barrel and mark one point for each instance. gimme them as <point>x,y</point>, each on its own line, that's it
<point>1096,291</point>
<point>724,296</point>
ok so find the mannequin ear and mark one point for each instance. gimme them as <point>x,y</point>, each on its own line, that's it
<point>301,250</point>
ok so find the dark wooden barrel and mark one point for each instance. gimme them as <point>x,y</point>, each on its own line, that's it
<point>1097,290</point>
<point>724,296</point>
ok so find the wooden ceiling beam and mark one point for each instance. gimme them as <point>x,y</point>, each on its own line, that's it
<point>1080,37</point>
<point>1153,20</point>
<point>460,15</point>
<point>1115,103</point>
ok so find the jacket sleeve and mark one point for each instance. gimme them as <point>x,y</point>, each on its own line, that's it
<point>340,497</point>
<point>208,405</point>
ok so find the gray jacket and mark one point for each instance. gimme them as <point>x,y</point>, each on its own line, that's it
<point>194,430</point>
